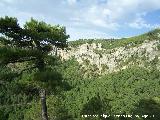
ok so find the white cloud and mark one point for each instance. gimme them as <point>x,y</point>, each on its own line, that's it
<point>71,2</point>
<point>84,17</point>
<point>113,14</point>
<point>8,3</point>
<point>139,24</point>
<point>87,33</point>
<point>129,8</point>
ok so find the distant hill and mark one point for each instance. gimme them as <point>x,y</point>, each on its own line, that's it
<point>110,55</point>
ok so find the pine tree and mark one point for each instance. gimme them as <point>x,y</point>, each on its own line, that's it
<point>32,42</point>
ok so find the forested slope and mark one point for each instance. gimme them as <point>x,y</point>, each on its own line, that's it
<point>84,88</point>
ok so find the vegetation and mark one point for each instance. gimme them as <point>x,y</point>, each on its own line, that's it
<point>124,92</point>
<point>31,44</point>
<point>72,91</point>
<point>123,42</point>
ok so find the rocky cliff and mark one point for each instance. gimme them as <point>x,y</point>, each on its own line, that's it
<point>145,54</point>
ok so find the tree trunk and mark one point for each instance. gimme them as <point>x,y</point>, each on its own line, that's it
<point>43,104</point>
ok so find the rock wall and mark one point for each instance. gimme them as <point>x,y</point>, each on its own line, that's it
<point>111,60</point>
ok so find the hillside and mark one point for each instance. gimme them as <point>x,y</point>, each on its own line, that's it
<point>103,79</point>
<point>114,55</point>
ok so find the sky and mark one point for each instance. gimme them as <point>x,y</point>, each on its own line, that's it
<point>89,18</point>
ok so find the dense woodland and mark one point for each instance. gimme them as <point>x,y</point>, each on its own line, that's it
<point>26,68</point>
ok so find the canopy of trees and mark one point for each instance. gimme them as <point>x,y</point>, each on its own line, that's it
<point>73,92</point>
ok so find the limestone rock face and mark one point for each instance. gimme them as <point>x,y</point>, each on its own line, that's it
<point>111,60</point>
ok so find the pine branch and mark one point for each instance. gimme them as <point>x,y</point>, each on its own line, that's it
<point>21,60</point>
<point>31,68</point>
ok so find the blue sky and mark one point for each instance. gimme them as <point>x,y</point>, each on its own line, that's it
<point>89,18</point>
